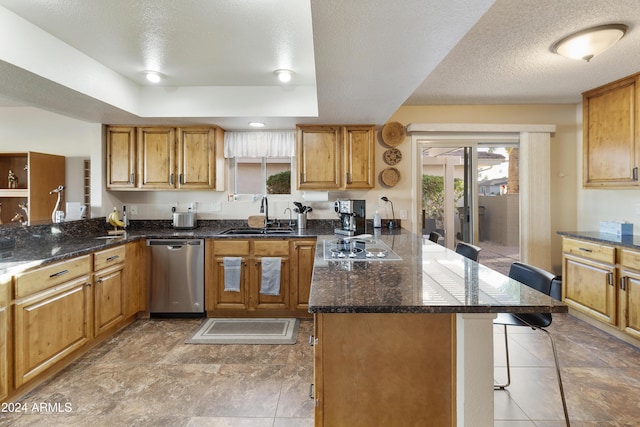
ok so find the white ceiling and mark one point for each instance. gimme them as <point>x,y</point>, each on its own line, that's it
<point>354,61</point>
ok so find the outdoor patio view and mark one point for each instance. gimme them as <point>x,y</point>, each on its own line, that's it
<point>498,200</point>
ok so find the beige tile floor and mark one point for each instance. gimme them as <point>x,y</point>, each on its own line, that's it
<point>147,376</point>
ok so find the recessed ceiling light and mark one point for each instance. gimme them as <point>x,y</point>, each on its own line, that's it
<point>284,75</point>
<point>153,76</point>
<point>256,124</point>
<point>588,43</point>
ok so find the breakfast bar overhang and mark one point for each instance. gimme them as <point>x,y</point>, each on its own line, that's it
<point>409,342</point>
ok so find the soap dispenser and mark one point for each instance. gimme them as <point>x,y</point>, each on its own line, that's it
<point>377,221</point>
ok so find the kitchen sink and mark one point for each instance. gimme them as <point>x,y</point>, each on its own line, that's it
<point>258,231</point>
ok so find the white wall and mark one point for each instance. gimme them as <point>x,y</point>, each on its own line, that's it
<point>31,129</point>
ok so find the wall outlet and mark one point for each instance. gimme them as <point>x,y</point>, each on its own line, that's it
<point>216,207</point>
<point>132,209</point>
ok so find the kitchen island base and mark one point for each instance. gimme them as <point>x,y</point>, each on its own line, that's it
<point>403,369</point>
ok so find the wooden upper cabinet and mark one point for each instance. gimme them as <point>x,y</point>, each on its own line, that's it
<point>611,135</point>
<point>121,157</point>
<point>319,157</point>
<point>165,158</point>
<point>335,157</point>
<point>196,158</point>
<point>157,153</point>
<point>359,152</point>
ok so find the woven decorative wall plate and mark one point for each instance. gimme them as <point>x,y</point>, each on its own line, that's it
<point>392,156</point>
<point>390,177</point>
<point>393,133</point>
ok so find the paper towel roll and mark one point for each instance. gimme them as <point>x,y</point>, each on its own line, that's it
<point>315,196</point>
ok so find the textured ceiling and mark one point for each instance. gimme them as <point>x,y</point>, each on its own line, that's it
<point>505,58</point>
<point>355,61</point>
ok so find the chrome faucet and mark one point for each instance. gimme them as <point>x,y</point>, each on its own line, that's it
<point>290,220</point>
<point>264,208</point>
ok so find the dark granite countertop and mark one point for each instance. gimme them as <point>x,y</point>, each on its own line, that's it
<point>428,279</point>
<point>34,246</point>
<point>611,239</point>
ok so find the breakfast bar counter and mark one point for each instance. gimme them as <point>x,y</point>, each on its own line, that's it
<point>409,341</point>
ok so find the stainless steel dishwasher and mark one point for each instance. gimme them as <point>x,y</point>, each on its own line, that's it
<point>176,277</point>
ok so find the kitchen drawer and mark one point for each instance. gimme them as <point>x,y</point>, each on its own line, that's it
<point>629,258</point>
<point>108,257</point>
<point>51,275</point>
<point>590,250</point>
<point>271,247</point>
<point>231,247</point>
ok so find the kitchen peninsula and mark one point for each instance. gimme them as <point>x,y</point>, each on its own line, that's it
<point>395,339</point>
<point>409,342</point>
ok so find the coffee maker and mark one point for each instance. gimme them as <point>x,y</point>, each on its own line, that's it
<point>352,217</point>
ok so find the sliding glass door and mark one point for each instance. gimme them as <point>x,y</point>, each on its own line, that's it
<point>470,193</point>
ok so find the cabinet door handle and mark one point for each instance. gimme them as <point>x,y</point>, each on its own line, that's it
<point>585,250</point>
<point>348,178</point>
<point>111,258</point>
<point>311,391</point>
<point>311,340</point>
<point>303,177</point>
<point>610,278</point>
<point>171,179</point>
<point>59,273</point>
<point>623,283</point>
<point>635,173</point>
<point>180,179</point>
<point>131,178</point>
<point>99,280</point>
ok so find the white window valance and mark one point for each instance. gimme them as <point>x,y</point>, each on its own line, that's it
<point>260,144</point>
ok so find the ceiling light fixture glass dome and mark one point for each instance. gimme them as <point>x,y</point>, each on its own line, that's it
<point>153,76</point>
<point>284,75</point>
<point>256,124</point>
<point>590,42</point>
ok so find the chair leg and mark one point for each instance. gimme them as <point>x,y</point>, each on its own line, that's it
<point>506,348</point>
<point>555,357</point>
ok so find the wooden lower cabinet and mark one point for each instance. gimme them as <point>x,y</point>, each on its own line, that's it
<point>295,278</point>
<point>5,336</point>
<point>52,314</point>
<point>303,253</point>
<point>135,278</point>
<point>629,285</point>
<point>384,369</point>
<point>603,282</point>
<point>591,288</point>
<point>217,300</point>
<point>109,288</point>
<point>51,325</point>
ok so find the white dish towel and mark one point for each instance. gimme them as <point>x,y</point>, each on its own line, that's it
<point>232,267</point>
<point>270,284</point>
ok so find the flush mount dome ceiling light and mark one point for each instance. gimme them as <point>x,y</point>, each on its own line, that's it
<point>590,42</point>
<point>256,124</point>
<point>153,76</point>
<point>284,75</point>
